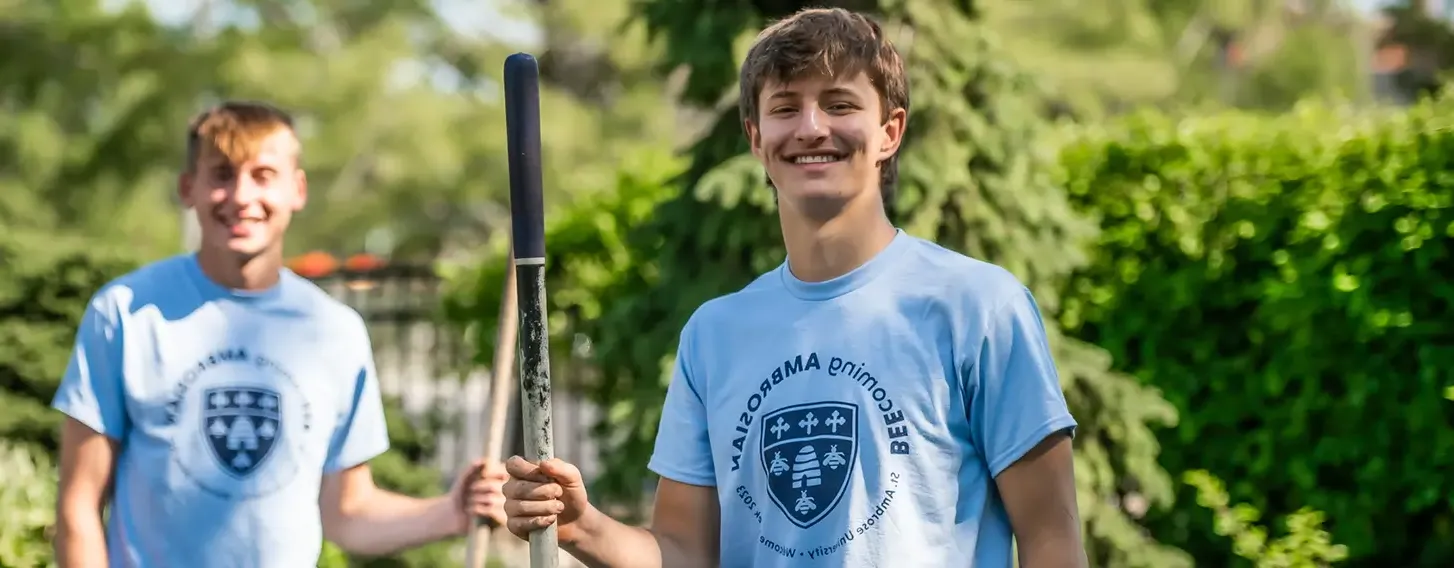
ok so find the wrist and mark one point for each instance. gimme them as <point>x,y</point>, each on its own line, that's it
<point>450,515</point>
<point>586,528</point>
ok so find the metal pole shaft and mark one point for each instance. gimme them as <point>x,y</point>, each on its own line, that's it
<point>535,390</point>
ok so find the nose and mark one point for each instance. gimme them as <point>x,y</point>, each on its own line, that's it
<point>812,125</point>
<point>242,191</point>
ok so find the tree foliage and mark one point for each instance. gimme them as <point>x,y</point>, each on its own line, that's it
<point>1281,280</point>
<point>1305,544</point>
<point>1188,54</point>
<point>45,283</point>
<point>84,115</point>
<point>627,272</point>
<point>398,108</point>
<point>27,496</point>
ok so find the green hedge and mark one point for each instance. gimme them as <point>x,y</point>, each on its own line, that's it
<point>45,282</point>
<point>27,500</point>
<point>1287,283</point>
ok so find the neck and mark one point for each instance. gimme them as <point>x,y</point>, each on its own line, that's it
<point>230,270</point>
<point>820,250</point>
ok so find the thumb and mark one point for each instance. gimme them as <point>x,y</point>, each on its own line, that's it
<point>518,468</point>
<point>470,472</point>
<point>567,475</point>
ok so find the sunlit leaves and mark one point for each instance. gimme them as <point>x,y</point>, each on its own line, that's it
<point>1295,261</point>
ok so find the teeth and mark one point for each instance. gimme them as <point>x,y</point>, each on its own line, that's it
<point>814,159</point>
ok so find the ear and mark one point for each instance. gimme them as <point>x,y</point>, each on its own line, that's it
<point>184,188</point>
<point>753,139</point>
<point>893,133</point>
<point>301,180</point>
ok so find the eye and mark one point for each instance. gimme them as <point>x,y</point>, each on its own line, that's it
<point>782,110</point>
<point>842,107</point>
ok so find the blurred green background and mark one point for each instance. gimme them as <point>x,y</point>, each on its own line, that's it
<point>1235,213</point>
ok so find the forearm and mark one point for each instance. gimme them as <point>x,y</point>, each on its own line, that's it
<point>80,541</point>
<point>1060,553</point>
<point>388,522</point>
<point>603,542</point>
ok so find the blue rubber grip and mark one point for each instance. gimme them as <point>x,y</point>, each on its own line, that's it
<point>522,127</point>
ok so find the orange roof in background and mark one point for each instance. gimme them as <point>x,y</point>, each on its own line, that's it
<point>1391,58</point>
<point>363,263</point>
<point>1387,59</point>
<point>1235,56</point>
<point>318,264</point>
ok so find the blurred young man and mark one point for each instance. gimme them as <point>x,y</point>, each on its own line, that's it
<point>876,401</point>
<point>226,407</point>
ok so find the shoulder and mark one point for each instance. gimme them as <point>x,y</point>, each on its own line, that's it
<point>960,282</point>
<point>324,309</point>
<point>761,292</point>
<point>150,284</point>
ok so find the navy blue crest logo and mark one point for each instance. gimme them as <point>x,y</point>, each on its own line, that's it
<point>242,425</point>
<point>808,451</point>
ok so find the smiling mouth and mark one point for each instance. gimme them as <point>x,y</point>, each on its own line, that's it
<point>225,220</point>
<point>239,226</point>
<point>818,159</point>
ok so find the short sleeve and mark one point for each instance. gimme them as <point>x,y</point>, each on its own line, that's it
<point>1016,401</point>
<point>92,390</point>
<point>683,450</point>
<point>362,432</point>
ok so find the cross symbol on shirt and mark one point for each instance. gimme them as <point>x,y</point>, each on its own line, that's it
<point>809,423</point>
<point>780,427</point>
<point>835,421</point>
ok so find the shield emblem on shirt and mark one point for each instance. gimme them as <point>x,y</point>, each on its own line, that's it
<point>809,452</point>
<point>242,426</point>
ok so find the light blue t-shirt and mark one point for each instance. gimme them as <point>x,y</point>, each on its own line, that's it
<point>229,408</point>
<point>862,421</point>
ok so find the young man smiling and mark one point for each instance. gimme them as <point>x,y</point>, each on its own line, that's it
<point>226,407</point>
<point>875,401</point>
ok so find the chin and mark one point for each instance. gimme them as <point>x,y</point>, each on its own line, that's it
<point>242,248</point>
<point>248,250</point>
<point>817,190</point>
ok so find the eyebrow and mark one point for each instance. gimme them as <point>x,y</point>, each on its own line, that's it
<point>834,91</point>
<point>227,165</point>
